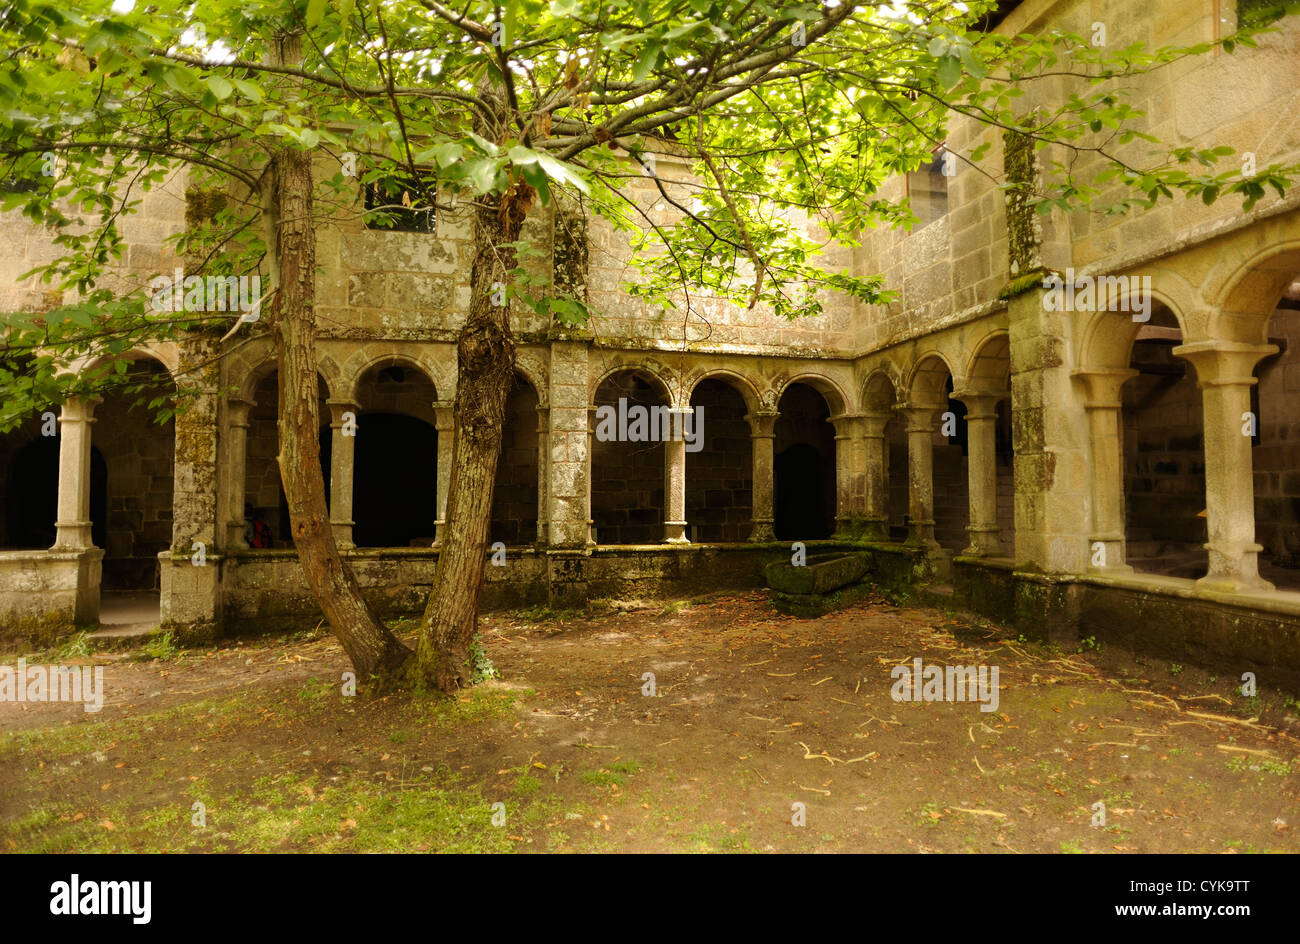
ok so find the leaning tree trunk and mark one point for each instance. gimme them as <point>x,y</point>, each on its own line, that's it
<point>374,651</point>
<point>486,360</point>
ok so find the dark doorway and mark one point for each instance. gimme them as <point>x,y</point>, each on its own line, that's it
<point>800,506</point>
<point>32,496</point>
<point>395,484</point>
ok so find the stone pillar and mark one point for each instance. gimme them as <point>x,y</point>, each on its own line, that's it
<point>568,492</point>
<point>444,421</point>
<point>920,475</point>
<point>190,603</point>
<point>73,525</point>
<point>236,462</point>
<point>1104,403</point>
<point>591,451</point>
<point>847,438</point>
<point>1223,372</point>
<point>1053,479</point>
<point>675,477</point>
<point>875,463</point>
<point>981,471</point>
<point>343,448</point>
<point>543,471</point>
<point>762,437</point>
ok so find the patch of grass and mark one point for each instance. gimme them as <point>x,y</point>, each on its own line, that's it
<point>1175,668</point>
<point>76,646</point>
<point>715,837</point>
<point>1278,768</point>
<point>1089,644</point>
<point>1070,847</point>
<point>161,647</point>
<point>314,689</point>
<point>476,704</point>
<point>675,607</point>
<point>526,785</point>
<point>603,778</point>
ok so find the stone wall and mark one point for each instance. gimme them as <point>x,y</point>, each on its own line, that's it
<point>719,477</point>
<point>1277,454</point>
<point>138,454</point>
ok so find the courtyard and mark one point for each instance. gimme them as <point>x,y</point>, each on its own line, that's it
<point>764,733</point>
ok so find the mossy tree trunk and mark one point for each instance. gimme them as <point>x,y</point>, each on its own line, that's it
<point>375,653</point>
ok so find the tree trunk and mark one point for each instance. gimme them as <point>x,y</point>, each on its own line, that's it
<point>375,652</point>
<point>486,359</point>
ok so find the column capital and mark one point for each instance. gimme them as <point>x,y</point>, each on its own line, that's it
<point>338,407</point>
<point>920,419</point>
<point>762,423</point>
<point>1224,363</point>
<point>1101,386</point>
<point>237,410</point>
<point>444,412</point>
<point>79,410</point>
<point>980,403</point>
<point>873,424</point>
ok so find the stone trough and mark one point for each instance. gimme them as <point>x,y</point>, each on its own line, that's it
<point>816,587</point>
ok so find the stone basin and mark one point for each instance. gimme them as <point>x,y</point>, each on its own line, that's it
<point>823,573</point>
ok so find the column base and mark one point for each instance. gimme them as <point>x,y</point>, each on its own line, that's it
<point>675,532</point>
<point>73,535</point>
<point>762,532</point>
<point>983,542</point>
<point>1234,570</point>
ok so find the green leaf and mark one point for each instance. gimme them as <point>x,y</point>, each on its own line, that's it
<point>315,10</point>
<point>646,62</point>
<point>949,71</point>
<point>220,87</point>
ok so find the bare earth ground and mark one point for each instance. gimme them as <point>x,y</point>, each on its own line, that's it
<point>754,713</point>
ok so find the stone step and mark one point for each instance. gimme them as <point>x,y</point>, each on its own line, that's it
<point>123,635</point>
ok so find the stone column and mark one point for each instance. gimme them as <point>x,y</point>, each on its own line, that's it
<point>875,463</point>
<point>73,525</point>
<point>1223,372</point>
<point>675,477</point>
<point>762,437</point>
<point>590,473</point>
<point>343,448</point>
<point>543,470</point>
<point>444,414</point>
<point>846,510</point>
<point>981,471</point>
<point>920,474</point>
<point>568,496</point>
<point>236,460</point>
<point>191,599</point>
<point>1104,403</point>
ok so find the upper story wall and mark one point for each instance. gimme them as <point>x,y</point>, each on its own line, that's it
<point>952,269</point>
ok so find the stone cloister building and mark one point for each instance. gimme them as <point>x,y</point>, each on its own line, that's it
<point>1133,476</point>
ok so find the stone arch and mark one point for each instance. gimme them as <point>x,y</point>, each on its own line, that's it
<point>166,353</point>
<point>358,369</point>
<point>531,365</point>
<point>927,380</point>
<point>879,391</point>
<point>1107,337</point>
<point>1242,308</point>
<point>645,370</point>
<point>737,381</point>
<point>989,367</point>
<point>829,389</point>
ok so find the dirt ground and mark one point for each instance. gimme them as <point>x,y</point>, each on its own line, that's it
<point>765,733</point>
